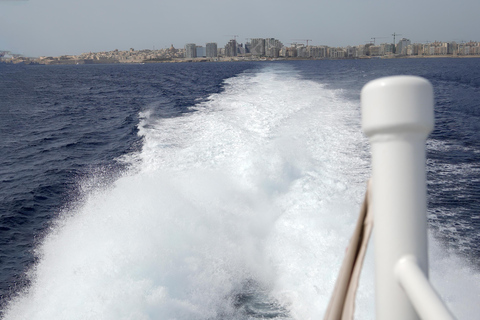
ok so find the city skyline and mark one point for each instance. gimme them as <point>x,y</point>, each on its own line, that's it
<point>54,27</point>
<point>253,46</point>
<point>256,50</point>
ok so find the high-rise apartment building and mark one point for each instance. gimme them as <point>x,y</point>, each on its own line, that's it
<point>271,44</point>
<point>190,50</point>
<point>231,48</point>
<point>201,53</point>
<point>257,47</point>
<point>402,46</point>
<point>211,50</point>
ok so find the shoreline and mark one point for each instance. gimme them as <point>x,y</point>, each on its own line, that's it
<point>57,61</point>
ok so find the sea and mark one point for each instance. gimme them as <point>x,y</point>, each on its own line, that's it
<point>224,190</point>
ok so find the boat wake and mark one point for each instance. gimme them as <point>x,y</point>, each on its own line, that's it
<point>240,209</point>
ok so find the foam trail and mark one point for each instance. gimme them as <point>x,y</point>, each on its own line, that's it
<point>262,183</point>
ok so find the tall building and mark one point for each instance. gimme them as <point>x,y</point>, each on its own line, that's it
<point>190,50</point>
<point>402,46</point>
<point>201,53</point>
<point>231,48</point>
<point>273,52</point>
<point>451,47</point>
<point>271,45</point>
<point>211,50</point>
<point>257,47</point>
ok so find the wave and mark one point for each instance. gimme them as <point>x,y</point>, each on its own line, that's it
<point>239,209</point>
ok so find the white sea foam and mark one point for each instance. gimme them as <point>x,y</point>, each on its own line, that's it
<point>263,182</point>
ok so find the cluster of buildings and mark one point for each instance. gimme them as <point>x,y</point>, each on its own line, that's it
<point>273,48</point>
<point>258,49</point>
<point>133,56</point>
<point>405,48</point>
<point>116,56</point>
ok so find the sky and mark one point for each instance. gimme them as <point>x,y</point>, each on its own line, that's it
<point>62,27</point>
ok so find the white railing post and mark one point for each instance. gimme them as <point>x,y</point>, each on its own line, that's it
<point>397,116</point>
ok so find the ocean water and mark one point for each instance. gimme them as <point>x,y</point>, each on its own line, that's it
<point>214,191</point>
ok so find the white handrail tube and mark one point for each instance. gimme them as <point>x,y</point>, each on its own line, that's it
<point>425,300</point>
<point>397,116</point>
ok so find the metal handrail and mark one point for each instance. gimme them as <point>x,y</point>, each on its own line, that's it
<point>422,295</point>
<point>397,116</point>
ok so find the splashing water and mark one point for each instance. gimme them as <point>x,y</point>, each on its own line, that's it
<point>241,209</point>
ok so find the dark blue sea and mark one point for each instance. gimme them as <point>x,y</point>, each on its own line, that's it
<point>214,190</point>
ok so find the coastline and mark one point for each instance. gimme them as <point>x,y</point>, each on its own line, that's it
<point>73,61</point>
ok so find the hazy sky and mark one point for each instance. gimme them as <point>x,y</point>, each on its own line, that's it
<point>56,27</point>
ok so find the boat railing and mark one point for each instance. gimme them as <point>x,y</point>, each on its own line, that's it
<point>397,117</point>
